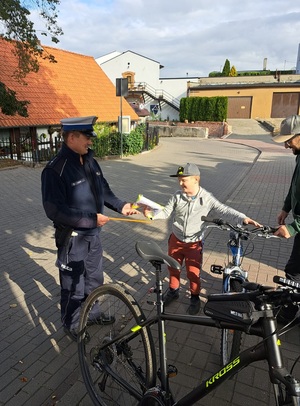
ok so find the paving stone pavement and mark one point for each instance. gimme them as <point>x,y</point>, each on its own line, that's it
<point>39,364</point>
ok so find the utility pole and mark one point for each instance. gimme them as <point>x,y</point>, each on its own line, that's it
<point>121,90</point>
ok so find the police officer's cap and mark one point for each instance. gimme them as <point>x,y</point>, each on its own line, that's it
<point>84,125</point>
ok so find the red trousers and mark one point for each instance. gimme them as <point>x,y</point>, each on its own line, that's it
<point>191,254</point>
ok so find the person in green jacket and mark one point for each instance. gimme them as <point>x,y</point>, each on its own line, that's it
<point>290,136</point>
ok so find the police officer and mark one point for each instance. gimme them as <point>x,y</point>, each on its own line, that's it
<point>74,193</point>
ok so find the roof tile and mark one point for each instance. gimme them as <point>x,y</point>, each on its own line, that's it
<point>74,86</point>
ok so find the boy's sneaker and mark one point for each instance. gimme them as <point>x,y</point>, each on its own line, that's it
<point>195,305</point>
<point>170,295</point>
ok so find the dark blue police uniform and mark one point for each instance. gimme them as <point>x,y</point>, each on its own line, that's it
<point>73,193</point>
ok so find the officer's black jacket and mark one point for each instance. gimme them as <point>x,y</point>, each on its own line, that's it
<point>73,193</point>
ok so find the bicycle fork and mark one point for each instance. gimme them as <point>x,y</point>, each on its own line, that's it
<point>279,375</point>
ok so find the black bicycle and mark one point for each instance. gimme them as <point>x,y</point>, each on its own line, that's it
<point>233,273</point>
<point>118,363</point>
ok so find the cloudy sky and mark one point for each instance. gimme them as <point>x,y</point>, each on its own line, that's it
<point>190,37</point>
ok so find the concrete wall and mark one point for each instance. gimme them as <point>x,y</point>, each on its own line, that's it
<point>200,129</point>
<point>174,131</point>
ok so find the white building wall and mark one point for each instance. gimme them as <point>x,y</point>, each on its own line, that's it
<point>177,87</point>
<point>148,71</point>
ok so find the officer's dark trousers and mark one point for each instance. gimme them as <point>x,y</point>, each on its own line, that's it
<point>80,270</point>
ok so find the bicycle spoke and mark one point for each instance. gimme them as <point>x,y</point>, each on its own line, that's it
<point>120,372</point>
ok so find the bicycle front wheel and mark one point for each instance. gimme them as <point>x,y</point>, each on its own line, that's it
<point>121,372</point>
<point>231,339</point>
<point>282,397</point>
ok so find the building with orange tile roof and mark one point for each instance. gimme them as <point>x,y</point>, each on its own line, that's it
<point>74,86</point>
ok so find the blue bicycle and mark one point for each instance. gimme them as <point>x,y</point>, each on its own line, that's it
<point>234,276</point>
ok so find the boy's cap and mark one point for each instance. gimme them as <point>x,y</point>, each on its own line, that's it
<point>82,124</point>
<point>187,170</point>
<point>288,129</point>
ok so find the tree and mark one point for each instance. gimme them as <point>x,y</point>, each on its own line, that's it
<point>19,29</point>
<point>233,71</point>
<point>226,68</point>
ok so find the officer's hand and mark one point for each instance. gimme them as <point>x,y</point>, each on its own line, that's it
<point>101,219</point>
<point>127,210</point>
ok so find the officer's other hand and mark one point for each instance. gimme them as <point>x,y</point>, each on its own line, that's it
<point>101,219</point>
<point>127,210</point>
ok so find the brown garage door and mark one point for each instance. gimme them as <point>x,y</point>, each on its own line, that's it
<point>239,107</point>
<point>284,104</point>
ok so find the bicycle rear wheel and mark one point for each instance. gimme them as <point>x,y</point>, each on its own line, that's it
<point>120,373</point>
<point>231,339</point>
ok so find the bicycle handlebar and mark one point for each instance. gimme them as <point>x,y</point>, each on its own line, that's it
<point>288,293</point>
<point>263,231</point>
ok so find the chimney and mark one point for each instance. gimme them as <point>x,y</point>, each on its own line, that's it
<point>298,62</point>
<point>265,64</point>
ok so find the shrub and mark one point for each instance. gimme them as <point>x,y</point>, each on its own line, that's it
<point>108,141</point>
<point>133,143</point>
<point>203,108</point>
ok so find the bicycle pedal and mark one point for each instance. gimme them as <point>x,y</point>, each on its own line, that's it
<point>217,269</point>
<point>171,372</point>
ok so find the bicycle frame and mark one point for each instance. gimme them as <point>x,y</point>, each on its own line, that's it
<point>233,267</point>
<point>267,349</point>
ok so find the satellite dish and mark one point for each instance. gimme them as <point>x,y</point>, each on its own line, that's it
<point>141,106</point>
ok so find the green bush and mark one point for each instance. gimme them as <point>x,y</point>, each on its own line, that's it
<point>183,109</point>
<point>108,141</point>
<point>133,143</point>
<point>203,108</point>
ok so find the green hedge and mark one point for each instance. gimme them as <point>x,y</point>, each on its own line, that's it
<point>108,141</point>
<point>203,108</point>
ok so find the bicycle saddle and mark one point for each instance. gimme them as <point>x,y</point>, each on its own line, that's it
<point>151,252</point>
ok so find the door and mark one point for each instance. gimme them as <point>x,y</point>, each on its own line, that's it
<point>284,104</point>
<point>239,107</point>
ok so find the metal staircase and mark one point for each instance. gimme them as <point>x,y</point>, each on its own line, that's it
<point>149,93</point>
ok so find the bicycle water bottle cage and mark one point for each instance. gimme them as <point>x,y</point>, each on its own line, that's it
<point>218,269</point>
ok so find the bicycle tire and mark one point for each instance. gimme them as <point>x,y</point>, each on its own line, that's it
<point>132,360</point>
<point>231,339</point>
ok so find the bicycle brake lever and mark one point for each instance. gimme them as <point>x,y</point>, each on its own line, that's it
<point>269,229</point>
